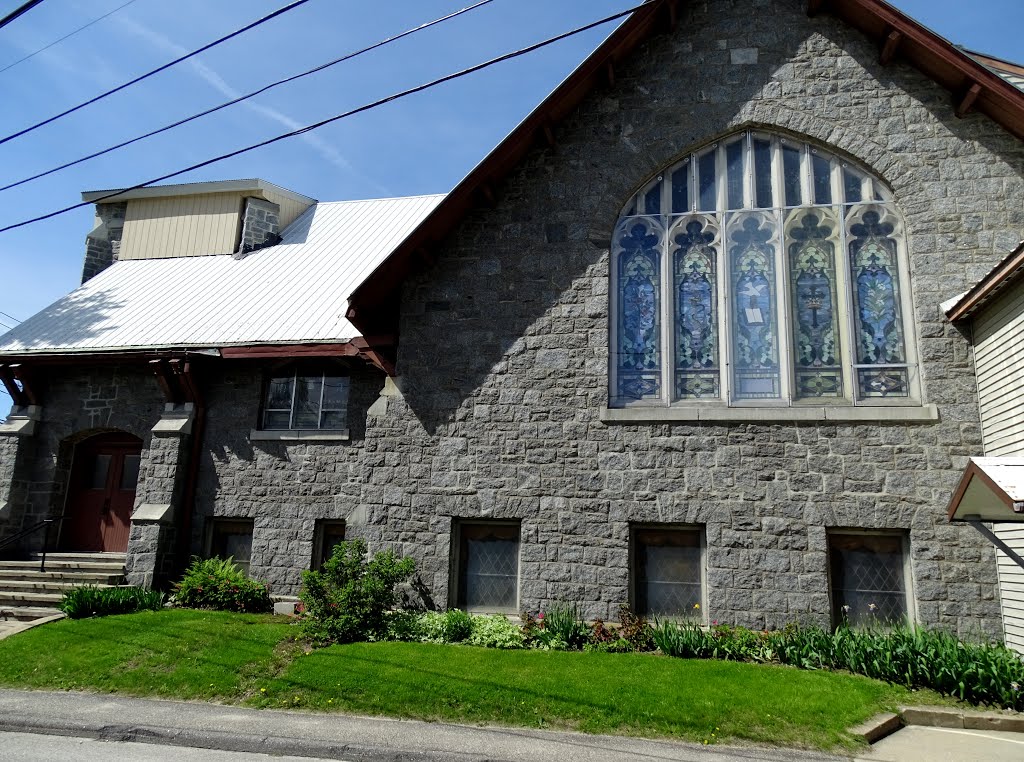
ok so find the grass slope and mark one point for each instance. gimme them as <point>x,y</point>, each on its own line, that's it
<point>254,659</point>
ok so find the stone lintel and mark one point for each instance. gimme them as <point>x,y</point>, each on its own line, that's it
<point>697,414</point>
<point>153,513</point>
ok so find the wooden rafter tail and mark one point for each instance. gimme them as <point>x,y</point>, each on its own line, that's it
<point>487,191</point>
<point>890,47</point>
<point>966,103</point>
<point>29,389</point>
<point>7,378</point>
<point>673,15</point>
<point>814,7</point>
<point>609,73</point>
<point>375,351</point>
<point>162,371</point>
<point>549,134</point>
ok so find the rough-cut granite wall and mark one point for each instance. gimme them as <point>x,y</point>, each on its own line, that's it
<point>504,345</point>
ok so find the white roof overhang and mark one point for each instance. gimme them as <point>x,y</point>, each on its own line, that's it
<point>990,490</point>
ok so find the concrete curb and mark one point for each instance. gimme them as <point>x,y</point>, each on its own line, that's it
<point>30,624</point>
<point>236,742</point>
<point>878,727</point>
<point>942,717</point>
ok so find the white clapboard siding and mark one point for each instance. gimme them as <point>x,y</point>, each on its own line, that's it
<point>999,359</point>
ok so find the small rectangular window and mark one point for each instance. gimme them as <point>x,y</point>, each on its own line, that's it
<point>667,570</point>
<point>232,538</point>
<point>306,401</point>
<point>487,560</point>
<point>868,578</point>
<point>327,535</point>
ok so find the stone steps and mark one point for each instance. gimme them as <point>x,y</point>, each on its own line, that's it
<point>26,593</point>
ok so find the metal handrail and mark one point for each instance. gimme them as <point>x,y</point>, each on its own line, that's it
<point>47,523</point>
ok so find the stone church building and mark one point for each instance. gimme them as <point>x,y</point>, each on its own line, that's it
<point>676,342</point>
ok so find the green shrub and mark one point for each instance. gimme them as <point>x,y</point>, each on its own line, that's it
<point>456,626</point>
<point>561,628</point>
<point>89,600</point>
<point>348,599</point>
<point>405,626</point>
<point>432,627</point>
<point>218,583</point>
<point>495,632</point>
<point>635,629</point>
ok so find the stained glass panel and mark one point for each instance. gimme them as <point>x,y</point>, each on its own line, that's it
<point>652,200</point>
<point>810,241</point>
<point>707,178</point>
<point>694,266</point>
<point>851,187</point>
<point>681,189</point>
<point>639,311</point>
<point>792,175</point>
<point>879,339</point>
<point>763,173</point>
<point>734,170</point>
<point>752,253</point>
<point>822,171</point>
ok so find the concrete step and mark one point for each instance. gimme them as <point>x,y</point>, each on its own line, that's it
<point>25,613</point>
<point>65,565</point>
<point>105,557</point>
<point>69,577</point>
<point>18,599</point>
<point>40,586</point>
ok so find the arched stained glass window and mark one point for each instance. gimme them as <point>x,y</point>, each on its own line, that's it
<point>760,270</point>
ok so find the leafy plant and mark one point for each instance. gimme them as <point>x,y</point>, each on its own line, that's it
<point>456,626</point>
<point>89,600</point>
<point>404,626</point>
<point>218,583</point>
<point>495,632</point>
<point>635,629</point>
<point>348,599</point>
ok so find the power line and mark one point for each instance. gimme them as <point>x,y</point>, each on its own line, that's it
<point>254,93</point>
<point>338,117</point>
<point>9,316</point>
<point>69,34</point>
<point>18,11</point>
<point>157,70</point>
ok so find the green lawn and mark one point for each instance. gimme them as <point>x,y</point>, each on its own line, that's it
<point>254,660</point>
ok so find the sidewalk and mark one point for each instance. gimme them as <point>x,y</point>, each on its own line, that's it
<point>336,736</point>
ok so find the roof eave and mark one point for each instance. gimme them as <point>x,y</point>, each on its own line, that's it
<point>1007,272</point>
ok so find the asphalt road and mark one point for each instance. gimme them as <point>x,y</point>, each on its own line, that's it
<point>30,747</point>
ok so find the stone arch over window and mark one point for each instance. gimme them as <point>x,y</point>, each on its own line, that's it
<point>761,270</point>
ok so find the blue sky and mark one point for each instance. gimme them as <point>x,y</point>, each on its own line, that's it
<point>423,144</point>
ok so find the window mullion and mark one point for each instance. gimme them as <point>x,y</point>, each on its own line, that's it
<point>323,391</point>
<point>668,319</point>
<point>844,293</point>
<point>782,314</point>
<point>291,412</point>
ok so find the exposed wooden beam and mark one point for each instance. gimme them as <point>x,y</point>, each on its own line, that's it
<point>7,378</point>
<point>673,15</point>
<point>814,7</point>
<point>290,350</point>
<point>549,135</point>
<point>609,73</point>
<point>28,387</point>
<point>966,103</point>
<point>426,257</point>
<point>890,47</point>
<point>373,349</point>
<point>162,372</point>
<point>488,193</point>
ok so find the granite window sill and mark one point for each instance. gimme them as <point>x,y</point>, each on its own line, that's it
<point>298,435</point>
<point>696,414</point>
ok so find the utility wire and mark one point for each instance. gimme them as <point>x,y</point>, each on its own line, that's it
<point>253,94</point>
<point>18,11</point>
<point>9,316</point>
<point>225,38</point>
<point>69,34</point>
<point>338,117</point>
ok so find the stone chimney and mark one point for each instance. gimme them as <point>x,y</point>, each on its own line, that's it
<point>104,242</point>
<point>261,223</point>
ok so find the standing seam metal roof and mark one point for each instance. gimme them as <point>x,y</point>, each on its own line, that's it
<point>294,292</point>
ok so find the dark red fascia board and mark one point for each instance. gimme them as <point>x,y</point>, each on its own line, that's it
<point>1007,272</point>
<point>373,305</point>
<point>939,59</point>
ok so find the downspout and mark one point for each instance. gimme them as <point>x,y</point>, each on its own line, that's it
<point>188,503</point>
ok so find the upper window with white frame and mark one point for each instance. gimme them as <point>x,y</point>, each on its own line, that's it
<point>761,271</point>
<point>301,400</point>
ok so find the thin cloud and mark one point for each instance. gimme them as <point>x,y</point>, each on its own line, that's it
<point>217,82</point>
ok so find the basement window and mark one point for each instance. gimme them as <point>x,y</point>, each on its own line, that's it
<point>487,563</point>
<point>868,578</point>
<point>232,538</point>
<point>667,571</point>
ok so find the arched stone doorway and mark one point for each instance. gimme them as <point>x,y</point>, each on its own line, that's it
<point>101,493</point>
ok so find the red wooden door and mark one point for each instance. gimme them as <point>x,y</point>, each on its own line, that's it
<point>102,492</point>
